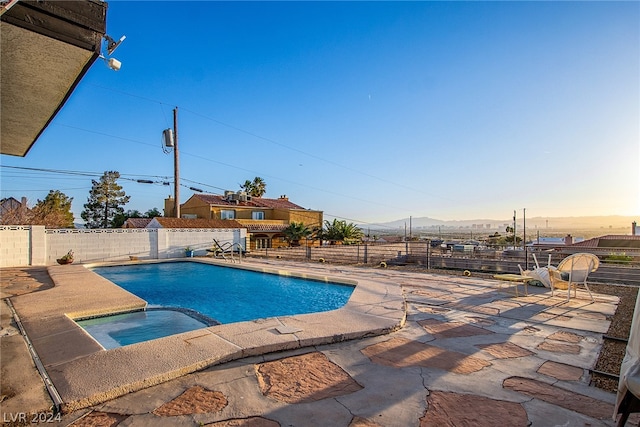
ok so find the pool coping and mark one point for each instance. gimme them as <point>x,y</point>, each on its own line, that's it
<point>84,374</point>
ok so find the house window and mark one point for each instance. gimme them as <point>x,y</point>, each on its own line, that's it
<point>227,214</point>
<point>257,215</point>
<point>263,243</point>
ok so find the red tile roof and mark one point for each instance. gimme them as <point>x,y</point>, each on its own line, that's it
<point>197,223</point>
<point>255,202</point>
<point>265,227</point>
<point>136,222</point>
<point>610,241</point>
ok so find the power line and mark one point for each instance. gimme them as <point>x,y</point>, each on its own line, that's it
<point>226,164</point>
<point>143,181</point>
<point>79,173</point>
<point>311,155</point>
<point>241,168</point>
<point>274,142</point>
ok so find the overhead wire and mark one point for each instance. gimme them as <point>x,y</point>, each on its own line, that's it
<point>274,142</point>
<point>158,179</point>
<point>314,156</point>
<point>198,156</point>
<point>161,180</point>
<point>236,128</point>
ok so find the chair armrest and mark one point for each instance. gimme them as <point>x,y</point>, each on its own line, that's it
<point>557,275</point>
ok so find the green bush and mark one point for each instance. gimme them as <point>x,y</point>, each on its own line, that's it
<point>618,258</point>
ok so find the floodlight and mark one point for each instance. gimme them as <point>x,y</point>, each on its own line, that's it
<point>112,44</point>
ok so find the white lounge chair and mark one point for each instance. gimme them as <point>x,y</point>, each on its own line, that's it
<point>628,398</point>
<point>572,271</point>
<point>541,274</point>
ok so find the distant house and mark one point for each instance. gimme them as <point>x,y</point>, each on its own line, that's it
<point>10,204</point>
<point>264,218</point>
<point>164,222</point>
<point>546,243</point>
<point>136,222</point>
<point>12,210</point>
<point>613,244</point>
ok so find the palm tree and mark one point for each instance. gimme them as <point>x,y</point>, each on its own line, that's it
<point>341,231</point>
<point>295,232</point>
<point>247,186</point>
<point>259,187</point>
<point>255,188</point>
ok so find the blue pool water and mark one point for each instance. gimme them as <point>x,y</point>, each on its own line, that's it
<point>226,294</point>
<point>129,328</point>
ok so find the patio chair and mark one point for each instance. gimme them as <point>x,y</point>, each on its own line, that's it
<point>541,274</point>
<point>219,250</point>
<point>572,271</point>
<point>628,397</point>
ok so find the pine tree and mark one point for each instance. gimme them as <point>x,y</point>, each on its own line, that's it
<point>54,211</point>
<point>105,201</point>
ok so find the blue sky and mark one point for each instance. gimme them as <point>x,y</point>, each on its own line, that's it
<point>369,111</point>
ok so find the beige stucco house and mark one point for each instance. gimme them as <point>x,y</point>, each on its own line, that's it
<point>264,218</point>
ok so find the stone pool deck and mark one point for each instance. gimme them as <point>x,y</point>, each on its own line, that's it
<point>408,349</point>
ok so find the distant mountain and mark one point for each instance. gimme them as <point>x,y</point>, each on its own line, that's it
<point>605,222</point>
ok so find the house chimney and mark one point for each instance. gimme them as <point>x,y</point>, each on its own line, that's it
<point>284,197</point>
<point>23,205</point>
<point>169,207</point>
<point>568,240</point>
<point>633,228</point>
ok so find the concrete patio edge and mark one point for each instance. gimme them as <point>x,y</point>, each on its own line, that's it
<point>84,374</point>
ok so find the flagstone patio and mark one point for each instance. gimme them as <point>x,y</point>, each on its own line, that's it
<point>469,353</point>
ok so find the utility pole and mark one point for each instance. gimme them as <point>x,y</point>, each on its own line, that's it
<point>176,165</point>
<point>524,226</point>
<point>524,237</point>
<point>514,229</point>
<point>410,228</point>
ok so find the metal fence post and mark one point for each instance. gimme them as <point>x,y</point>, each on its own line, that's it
<point>365,253</point>
<point>428,260</point>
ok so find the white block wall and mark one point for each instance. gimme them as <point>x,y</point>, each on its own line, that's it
<point>172,242</point>
<point>33,245</point>
<point>38,246</point>
<point>100,245</point>
<point>14,245</point>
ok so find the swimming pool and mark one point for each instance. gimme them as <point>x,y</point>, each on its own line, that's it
<point>226,294</point>
<point>130,328</point>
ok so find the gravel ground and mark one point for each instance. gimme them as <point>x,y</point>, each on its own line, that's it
<point>612,352</point>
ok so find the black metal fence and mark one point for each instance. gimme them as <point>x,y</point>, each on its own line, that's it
<point>616,269</point>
